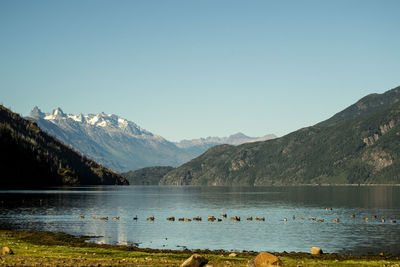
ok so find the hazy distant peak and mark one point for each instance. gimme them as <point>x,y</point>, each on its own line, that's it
<point>238,135</point>
<point>234,139</point>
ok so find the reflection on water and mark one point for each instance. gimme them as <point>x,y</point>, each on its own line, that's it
<point>58,210</point>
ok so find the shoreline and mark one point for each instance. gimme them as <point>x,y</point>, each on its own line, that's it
<point>277,185</point>
<point>47,248</point>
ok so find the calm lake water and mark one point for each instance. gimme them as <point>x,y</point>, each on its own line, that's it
<point>57,210</point>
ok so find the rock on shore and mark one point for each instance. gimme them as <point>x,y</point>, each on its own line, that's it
<point>265,259</point>
<point>316,251</point>
<point>6,251</point>
<point>195,260</point>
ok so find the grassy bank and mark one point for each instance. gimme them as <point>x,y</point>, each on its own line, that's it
<point>50,249</point>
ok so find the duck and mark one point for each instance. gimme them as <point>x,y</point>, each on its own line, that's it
<point>198,218</point>
<point>187,220</point>
<point>224,215</point>
<point>115,218</point>
<point>171,219</point>
<point>251,218</point>
<point>321,220</point>
<point>150,218</point>
<point>135,218</point>
<point>211,218</point>
<point>81,217</point>
<point>235,218</point>
<point>335,220</point>
<point>285,219</point>
<point>181,219</point>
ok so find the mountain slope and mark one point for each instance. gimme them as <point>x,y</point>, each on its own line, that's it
<point>147,176</point>
<point>31,158</point>
<point>111,140</point>
<point>365,149</point>
<point>367,105</point>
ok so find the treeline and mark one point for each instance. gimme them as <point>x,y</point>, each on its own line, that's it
<point>30,158</point>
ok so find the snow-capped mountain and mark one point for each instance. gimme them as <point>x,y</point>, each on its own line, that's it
<point>109,122</point>
<point>121,144</point>
<point>110,140</point>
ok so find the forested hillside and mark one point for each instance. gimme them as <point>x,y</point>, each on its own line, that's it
<point>147,176</point>
<point>364,149</point>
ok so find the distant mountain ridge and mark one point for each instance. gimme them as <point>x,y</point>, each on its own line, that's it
<point>121,144</point>
<point>30,158</point>
<point>359,145</point>
<point>234,139</point>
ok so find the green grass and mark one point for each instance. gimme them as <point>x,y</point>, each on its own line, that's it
<point>50,249</point>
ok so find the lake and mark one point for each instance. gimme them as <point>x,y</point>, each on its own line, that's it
<point>58,209</point>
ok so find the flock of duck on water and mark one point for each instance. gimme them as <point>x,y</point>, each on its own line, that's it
<point>236,218</point>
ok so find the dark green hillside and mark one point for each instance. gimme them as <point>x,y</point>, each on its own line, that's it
<point>367,105</point>
<point>365,149</point>
<point>147,176</point>
<point>30,158</point>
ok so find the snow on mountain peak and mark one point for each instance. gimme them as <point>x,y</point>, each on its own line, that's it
<point>92,119</point>
<point>37,113</point>
<point>77,118</point>
<point>122,122</point>
<point>58,112</point>
<point>109,122</point>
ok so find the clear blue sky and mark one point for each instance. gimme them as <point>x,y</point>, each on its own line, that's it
<point>189,69</point>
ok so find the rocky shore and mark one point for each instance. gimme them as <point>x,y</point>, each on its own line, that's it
<point>30,248</point>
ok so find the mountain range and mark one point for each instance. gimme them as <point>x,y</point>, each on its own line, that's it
<point>359,145</point>
<point>30,158</point>
<point>202,144</point>
<point>121,144</point>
